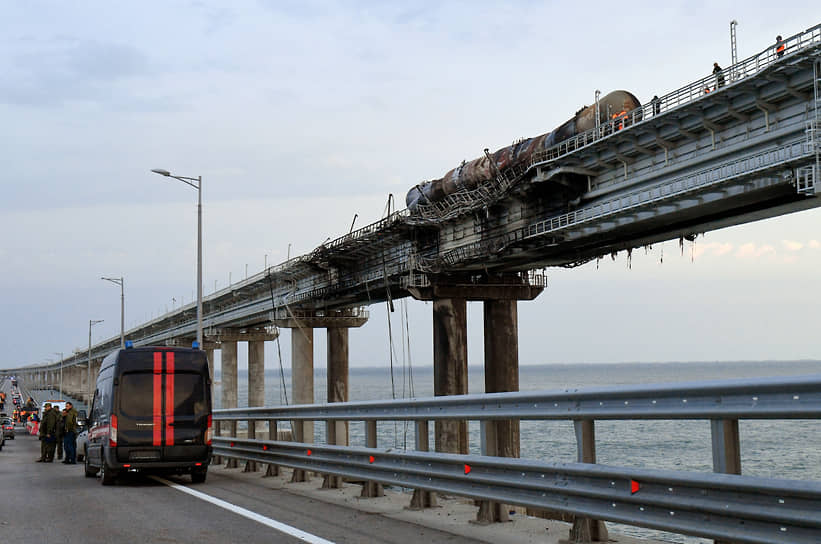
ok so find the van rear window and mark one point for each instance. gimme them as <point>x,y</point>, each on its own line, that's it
<point>136,394</point>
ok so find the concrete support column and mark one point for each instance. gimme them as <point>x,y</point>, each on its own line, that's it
<point>229,389</point>
<point>302,376</point>
<point>256,386</point>
<point>450,368</point>
<point>501,375</point>
<point>337,431</point>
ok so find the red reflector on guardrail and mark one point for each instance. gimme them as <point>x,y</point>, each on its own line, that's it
<point>467,469</point>
<point>634,486</point>
<point>309,452</point>
<point>370,459</point>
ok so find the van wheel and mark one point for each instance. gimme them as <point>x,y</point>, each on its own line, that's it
<point>107,476</point>
<point>89,470</point>
<point>198,476</point>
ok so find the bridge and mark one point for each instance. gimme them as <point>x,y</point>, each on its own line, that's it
<point>708,155</point>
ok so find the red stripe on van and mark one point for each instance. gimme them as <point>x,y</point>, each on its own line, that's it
<point>157,398</point>
<point>169,398</point>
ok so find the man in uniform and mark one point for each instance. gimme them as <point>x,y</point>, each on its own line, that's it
<point>42,433</point>
<point>61,430</point>
<point>48,430</point>
<point>69,439</point>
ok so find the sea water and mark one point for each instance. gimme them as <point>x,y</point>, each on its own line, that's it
<point>769,448</point>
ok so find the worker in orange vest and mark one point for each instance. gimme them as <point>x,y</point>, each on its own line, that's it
<point>780,47</point>
<point>621,116</point>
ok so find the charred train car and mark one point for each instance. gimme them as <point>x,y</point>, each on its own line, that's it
<point>470,175</point>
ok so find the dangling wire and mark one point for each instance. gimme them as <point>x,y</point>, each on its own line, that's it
<point>279,351</point>
<point>281,372</point>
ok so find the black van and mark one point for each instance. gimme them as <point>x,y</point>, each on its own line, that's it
<point>151,412</point>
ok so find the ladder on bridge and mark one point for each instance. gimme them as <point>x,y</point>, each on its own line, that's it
<point>807,176</point>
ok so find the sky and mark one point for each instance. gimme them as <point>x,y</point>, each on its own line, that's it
<point>300,114</point>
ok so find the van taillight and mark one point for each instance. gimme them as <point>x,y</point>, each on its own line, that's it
<point>208,432</point>
<point>112,431</point>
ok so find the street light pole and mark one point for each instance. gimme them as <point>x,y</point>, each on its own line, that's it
<point>91,322</point>
<point>198,186</point>
<point>121,282</point>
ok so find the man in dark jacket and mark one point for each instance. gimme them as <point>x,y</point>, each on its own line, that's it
<point>69,440</point>
<point>49,432</point>
<point>42,434</point>
<point>61,431</point>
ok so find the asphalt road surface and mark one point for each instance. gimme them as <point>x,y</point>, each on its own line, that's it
<point>56,503</point>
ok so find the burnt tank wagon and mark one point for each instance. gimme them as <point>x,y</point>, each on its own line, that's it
<point>470,175</point>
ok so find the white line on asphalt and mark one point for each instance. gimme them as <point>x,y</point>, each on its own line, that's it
<point>274,524</point>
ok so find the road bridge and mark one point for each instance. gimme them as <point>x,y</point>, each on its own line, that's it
<point>714,153</point>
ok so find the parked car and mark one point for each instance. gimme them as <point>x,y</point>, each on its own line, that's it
<point>8,427</point>
<point>82,445</point>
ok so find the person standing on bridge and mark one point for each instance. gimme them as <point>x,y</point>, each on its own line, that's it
<point>58,435</point>
<point>70,437</point>
<point>48,428</point>
<point>719,73</point>
<point>779,46</point>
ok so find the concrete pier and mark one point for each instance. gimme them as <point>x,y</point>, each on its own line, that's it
<point>302,384</point>
<point>256,386</point>
<point>337,431</point>
<point>450,368</point>
<point>501,375</point>
<point>302,324</point>
<point>229,388</point>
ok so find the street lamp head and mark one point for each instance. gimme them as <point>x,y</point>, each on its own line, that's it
<point>161,172</point>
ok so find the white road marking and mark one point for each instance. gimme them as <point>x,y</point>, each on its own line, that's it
<point>274,524</point>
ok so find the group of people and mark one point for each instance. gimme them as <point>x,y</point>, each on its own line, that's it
<point>780,48</point>
<point>58,431</point>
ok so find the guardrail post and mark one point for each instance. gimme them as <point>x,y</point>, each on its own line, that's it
<point>726,450</point>
<point>726,446</point>
<point>273,470</point>
<point>421,498</point>
<point>251,466</point>
<point>586,529</point>
<point>371,489</point>
<point>217,459</point>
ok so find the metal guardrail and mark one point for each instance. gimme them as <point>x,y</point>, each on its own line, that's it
<point>721,506</point>
<point>736,508</point>
<point>759,398</point>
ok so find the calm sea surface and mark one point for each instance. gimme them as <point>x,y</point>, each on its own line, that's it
<point>779,449</point>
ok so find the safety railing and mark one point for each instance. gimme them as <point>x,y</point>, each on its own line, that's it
<point>676,187</point>
<point>720,506</point>
<point>464,201</point>
<point>685,95</point>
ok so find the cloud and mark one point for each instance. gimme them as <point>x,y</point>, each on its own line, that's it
<point>53,72</point>
<point>716,249</point>
<point>751,251</point>
<point>814,244</point>
<point>792,245</point>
